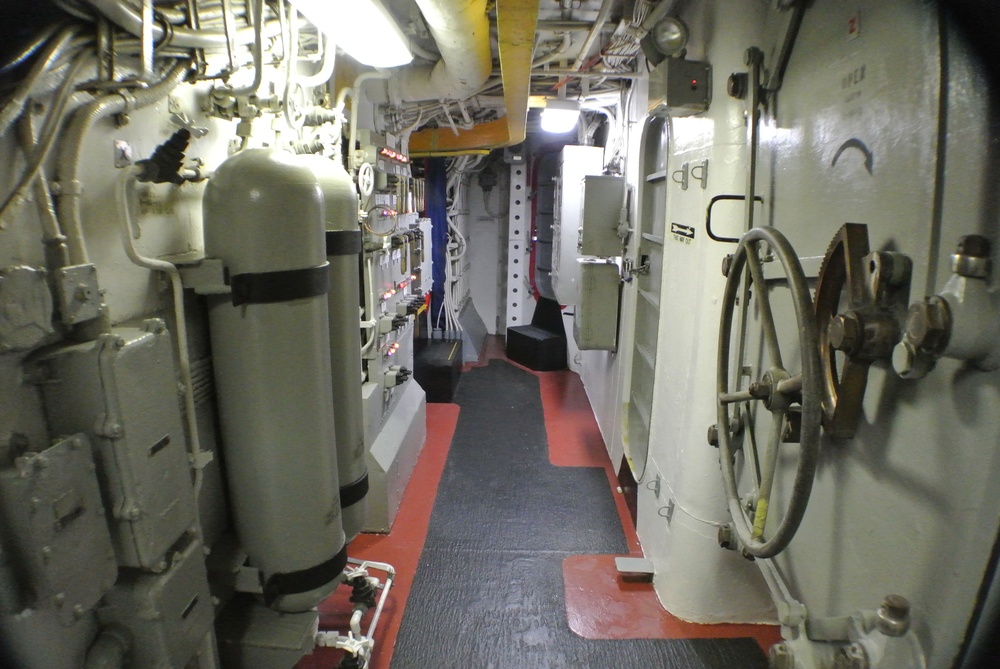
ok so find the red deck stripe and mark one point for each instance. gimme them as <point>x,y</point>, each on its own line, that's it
<point>401,547</point>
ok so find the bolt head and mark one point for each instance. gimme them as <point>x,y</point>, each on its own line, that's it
<point>781,657</point>
<point>727,264</point>
<point>927,326</point>
<point>975,246</point>
<point>845,332</point>
<point>737,85</point>
<point>726,538</point>
<point>713,435</point>
<point>894,616</point>
<point>852,656</point>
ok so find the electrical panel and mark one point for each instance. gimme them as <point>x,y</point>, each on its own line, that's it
<point>679,87</point>
<point>167,614</point>
<point>595,325</point>
<point>394,274</point>
<point>121,391</point>
<point>396,271</point>
<point>600,216</point>
<point>576,162</point>
<point>56,545</point>
<point>385,181</point>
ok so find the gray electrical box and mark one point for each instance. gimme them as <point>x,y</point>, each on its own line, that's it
<point>55,541</point>
<point>254,636</point>
<point>603,197</point>
<point>121,391</point>
<point>679,87</point>
<point>595,326</point>
<point>167,614</point>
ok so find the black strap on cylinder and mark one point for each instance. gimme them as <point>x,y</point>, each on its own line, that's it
<point>354,492</point>
<point>283,286</point>
<point>344,242</point>
<point>294,582</point>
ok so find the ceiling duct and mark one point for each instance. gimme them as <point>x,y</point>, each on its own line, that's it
<point>516,20</point>
<point>461,30</point>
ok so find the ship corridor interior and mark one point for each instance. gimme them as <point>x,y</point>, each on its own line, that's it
<point>499,334</point>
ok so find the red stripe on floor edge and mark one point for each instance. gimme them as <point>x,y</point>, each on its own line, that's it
<point>601,605</point>
<point>401,547</point>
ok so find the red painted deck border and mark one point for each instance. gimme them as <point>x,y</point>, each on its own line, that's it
<point>401,547</point>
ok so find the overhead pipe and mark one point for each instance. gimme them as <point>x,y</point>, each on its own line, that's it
<point>461,30</point>
<point>602,17</point>
<point>516,21</point>
<point>128,17</point>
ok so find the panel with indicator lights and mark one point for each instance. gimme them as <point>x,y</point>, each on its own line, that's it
<point>395,265</point>
<point>679,87</point>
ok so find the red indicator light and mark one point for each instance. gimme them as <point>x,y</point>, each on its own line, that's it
<point>393,155</point>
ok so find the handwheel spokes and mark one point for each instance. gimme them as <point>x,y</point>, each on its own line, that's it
<point>794,398</point>
<point>767,474</point>
<point>764,302</point>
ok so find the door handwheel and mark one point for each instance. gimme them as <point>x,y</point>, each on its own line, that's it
<point>793,400</point>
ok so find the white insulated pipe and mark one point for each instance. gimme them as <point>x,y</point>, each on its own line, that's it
<point>461,30</point>
<point>126,16</point>
<point>71,146</point>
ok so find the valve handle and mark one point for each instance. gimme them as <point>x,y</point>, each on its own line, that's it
<point>793,399</point>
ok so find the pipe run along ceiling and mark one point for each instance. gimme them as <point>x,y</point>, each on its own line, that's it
<point>516,22</point>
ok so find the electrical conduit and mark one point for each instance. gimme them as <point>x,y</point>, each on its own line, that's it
<point>122,193</point>
<point>68,166</point>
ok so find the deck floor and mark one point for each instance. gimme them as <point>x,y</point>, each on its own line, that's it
<point>505,541</point>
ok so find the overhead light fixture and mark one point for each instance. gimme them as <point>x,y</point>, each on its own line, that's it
<point>666,39</point>
<point>560,115</point>
<point>362,28</point>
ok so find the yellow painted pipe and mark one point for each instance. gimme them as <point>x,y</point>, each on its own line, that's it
<point>516,20</point>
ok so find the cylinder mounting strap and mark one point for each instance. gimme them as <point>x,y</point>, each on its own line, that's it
<point>353,493</point>
<point>281,286</point>
<point>304,580</point>
<point>343,242</point>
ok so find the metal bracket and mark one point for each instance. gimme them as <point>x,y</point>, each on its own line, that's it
<point>684,175</point>
<point>206,277</point>
<point>78,293</point>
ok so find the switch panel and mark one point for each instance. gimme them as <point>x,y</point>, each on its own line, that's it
<point>167,614</point>
<point>595,326</point>
<point>121,391</point>
<point>679,87</point>
<point>603,198</point>
<point>55,541</point>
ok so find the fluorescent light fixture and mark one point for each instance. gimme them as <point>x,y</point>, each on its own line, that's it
<point>362,28</point>
<point>560,115</point>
